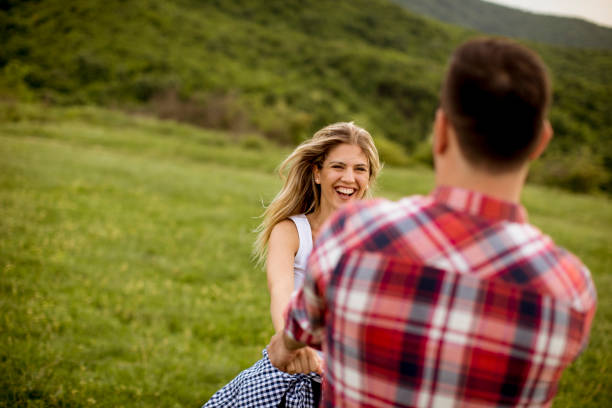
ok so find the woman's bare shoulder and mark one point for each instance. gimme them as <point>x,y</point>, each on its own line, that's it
<point>285,234</point>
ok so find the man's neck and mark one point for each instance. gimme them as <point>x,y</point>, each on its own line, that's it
<point>505,186</point>
<point>454,170</point>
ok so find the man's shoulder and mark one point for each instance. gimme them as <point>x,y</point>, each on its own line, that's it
<point>547,266</point>
<point>566,258</point>
<point>579,276</point>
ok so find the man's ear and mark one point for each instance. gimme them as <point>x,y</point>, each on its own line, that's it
<point>546,134</point>
<point>440,140</point>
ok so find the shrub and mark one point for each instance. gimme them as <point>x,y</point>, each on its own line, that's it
<point>422,153</point>
<point>214,110</point>
<point>580,171</point>
<point>253,142</point>
<point>391,153</point>
<point>12,81</point>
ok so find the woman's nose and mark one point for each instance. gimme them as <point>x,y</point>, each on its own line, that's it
<point>348,175</point>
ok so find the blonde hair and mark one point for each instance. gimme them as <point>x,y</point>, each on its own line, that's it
<point>300,194</point>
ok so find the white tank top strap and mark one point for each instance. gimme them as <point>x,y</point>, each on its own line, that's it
<point>304,249</point>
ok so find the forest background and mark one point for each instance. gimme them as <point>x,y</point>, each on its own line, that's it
<point>138,140</point>
<point>285,69</point>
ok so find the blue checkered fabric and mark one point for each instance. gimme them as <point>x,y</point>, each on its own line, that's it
<point>263,386</point>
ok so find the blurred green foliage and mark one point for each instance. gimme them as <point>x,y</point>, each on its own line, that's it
<point>280,68</point>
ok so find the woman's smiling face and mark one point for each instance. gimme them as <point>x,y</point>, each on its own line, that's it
<point>343,177</point>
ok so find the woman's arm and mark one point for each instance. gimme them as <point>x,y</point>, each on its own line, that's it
<point>282,247</point>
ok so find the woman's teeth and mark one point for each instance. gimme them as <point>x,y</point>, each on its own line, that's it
<point>347,191</point>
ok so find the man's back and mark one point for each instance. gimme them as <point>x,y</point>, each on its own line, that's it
<point>447,300</point>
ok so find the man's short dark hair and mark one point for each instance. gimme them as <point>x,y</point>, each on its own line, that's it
<point>496,96</point>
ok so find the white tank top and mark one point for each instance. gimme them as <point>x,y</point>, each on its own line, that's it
<point>304,250</point>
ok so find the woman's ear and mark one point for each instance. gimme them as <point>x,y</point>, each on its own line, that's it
<point>316,174</point>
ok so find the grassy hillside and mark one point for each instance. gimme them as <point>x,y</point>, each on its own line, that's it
<point>496,19</point>
<point>284,69</point>
<point>125,271</point>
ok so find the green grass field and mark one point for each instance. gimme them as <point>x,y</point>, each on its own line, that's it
<point>125,269</point>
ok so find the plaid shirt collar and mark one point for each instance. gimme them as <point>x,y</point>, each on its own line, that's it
<point>480,205</point>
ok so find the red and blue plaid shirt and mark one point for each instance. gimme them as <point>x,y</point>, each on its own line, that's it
<point>448,300</point>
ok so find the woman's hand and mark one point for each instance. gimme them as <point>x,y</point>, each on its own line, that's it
<point>305,361</point>
<point>279,354</point>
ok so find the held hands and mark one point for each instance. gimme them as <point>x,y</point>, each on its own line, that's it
<point>292,357</point>
<point>306,360</point>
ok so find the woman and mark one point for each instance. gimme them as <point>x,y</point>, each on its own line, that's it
<point>337,165</point>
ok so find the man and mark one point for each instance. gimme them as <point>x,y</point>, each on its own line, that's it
<point>453,299</point>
